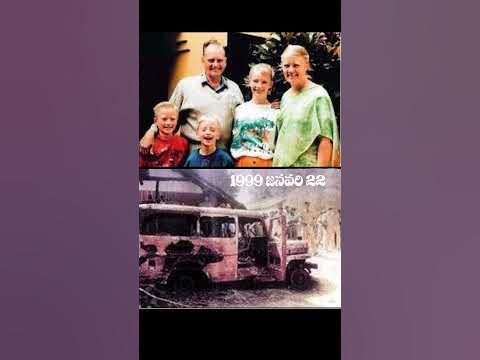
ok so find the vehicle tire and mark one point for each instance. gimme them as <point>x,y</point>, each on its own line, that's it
<point>183,282</point>
<point>299,279</point>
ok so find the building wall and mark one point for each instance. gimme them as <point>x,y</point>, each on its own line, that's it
<point>189,54</point>
<point>261,34</point>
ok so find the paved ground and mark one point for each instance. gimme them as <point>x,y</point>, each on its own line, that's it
<point>324,292</point>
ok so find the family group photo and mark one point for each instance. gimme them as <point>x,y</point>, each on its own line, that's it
<point>233,100</point>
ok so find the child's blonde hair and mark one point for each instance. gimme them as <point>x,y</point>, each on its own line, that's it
<point>210,118</point>
<point>164,105</point>
<point>263,69</point>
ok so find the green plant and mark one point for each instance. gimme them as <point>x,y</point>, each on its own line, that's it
<point>324,51</point>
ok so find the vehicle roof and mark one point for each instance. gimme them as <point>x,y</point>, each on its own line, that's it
<point>188,209</point>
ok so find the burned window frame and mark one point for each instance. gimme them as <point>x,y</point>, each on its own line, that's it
<point>275,224</point>
<point>147,215</point>
<point>224,233</point>
<point>243,220</point>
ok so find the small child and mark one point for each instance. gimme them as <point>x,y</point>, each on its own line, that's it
<point>159,147</point>
<point>208,155</point>
<point>254,126</point>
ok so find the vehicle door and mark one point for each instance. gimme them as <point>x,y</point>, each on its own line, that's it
<point>218,234</point>
<point>277,247</point>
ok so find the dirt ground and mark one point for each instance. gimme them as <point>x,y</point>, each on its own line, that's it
<point>325,291</point>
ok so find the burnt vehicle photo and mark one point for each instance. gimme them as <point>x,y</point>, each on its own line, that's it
<point>188,247</point>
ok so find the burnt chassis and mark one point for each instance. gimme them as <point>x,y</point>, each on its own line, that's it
<point>188,262</point>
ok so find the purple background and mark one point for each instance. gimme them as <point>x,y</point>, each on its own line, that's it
<point>69,233</point>
<point>69,108</point>
<point>410,180</point>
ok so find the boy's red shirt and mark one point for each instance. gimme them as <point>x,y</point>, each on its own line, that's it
<point>165,153</point>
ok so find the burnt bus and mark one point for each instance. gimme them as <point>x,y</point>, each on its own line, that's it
<point>186,247</point>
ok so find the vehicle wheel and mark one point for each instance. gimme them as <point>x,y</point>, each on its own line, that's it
<point>299,279</point>
<point>183,282</point>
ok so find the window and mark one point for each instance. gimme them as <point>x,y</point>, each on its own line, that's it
<point>223,227</point>
<point>252,227</point>
<point>156,223</point>
<point>276,228</point>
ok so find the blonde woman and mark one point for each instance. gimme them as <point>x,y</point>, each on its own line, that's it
<point>307,130</point>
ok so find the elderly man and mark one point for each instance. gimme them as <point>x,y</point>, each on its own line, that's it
<point>210,92</point>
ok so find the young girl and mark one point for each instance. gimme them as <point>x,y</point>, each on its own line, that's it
<point>159,147</point>
<point>208,155</point>
<point>308,134</point>
<point>254,124</point>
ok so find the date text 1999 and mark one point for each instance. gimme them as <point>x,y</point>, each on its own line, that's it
<point>277,180</point>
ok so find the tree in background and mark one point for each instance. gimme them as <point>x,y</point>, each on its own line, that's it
<point>324,51</point>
